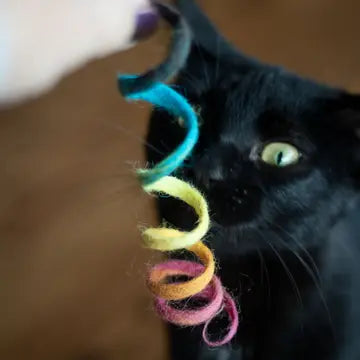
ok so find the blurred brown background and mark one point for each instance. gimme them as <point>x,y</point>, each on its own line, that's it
<point>71,261</point>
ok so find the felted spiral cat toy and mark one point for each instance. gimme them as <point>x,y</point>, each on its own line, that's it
<point>203,284</point>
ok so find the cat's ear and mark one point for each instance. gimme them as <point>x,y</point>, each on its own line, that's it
<point>348,113</point>
<point>347,120</point>
<point>207,36</point>
<point>210,52</point>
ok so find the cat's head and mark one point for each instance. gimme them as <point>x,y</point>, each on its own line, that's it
<point>278,155</point>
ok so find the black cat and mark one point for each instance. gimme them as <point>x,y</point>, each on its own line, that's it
<point>278,159</point>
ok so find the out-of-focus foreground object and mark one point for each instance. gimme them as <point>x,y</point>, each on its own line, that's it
<point>40,41</point>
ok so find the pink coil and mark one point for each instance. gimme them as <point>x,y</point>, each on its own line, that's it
<point>230,307</point>
<point>217,298</point>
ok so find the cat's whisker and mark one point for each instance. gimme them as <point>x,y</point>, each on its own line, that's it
<point>273,203</point>
<point>166,147</point>
<point>301,246</point>
<point>264,269</point>
<point>288,273</point>
<point>315,269</point>
<point>141,140</point>
<point>321,294</point>
<point>315,274</point>
<point>314,278</point>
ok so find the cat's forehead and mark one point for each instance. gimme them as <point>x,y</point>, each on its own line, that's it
<point>255,98</point>
<point>246,98</point>
<point>263,87</point>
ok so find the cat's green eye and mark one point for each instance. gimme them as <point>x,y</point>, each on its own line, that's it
<point>280,154</point>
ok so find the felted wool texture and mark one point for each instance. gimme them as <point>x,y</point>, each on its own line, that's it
<point>179,291</point>
<point>177,55</point>
<point>218,301</point>
<point>165,97</point>
<point>230,308</point>
<point>213,294</point>
<point>167,239</point>
<point>203,283</point>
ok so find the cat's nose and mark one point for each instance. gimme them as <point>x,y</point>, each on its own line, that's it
<point>217,165</point>
<point>229,185</point>
<point>233,202</point>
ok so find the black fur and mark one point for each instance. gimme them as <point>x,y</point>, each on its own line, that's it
<point>278,234</point>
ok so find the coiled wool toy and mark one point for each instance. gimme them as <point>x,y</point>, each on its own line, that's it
<point>202,283</point>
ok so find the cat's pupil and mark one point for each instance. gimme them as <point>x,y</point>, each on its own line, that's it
<point>279,157</point>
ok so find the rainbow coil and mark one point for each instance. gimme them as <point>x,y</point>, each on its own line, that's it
<point>203,284</point>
